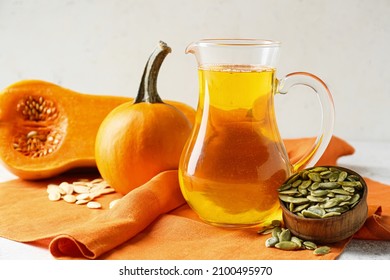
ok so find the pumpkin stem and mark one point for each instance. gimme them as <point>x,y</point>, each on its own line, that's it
<point>148,88</point>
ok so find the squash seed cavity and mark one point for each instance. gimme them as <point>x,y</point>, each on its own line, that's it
<point>42,129</point>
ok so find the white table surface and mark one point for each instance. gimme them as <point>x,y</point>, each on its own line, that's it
<point>371,159</point>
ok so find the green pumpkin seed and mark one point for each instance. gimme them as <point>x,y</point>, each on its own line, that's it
<point>267,231</point>
<point>349,189</point>
<point>330,195</point>
<point>271,242</point>
<point>304,174</point>
<point>293,178</point>
<point>339,209</point>
<point>350,184</point>
<point>299,208</point>
<point>340,191</point>
<point>296,183</point>
<point>343,197</point>
<point>285,235</point>
<point>303,191</point>
<point>305,184</point>
<point>329,185</point>
<point>297,240</point>
<point>325,174</point>
<point>331,214</point>
<point>284,187</point>
<point>314,186</point>
<point>315,198</point>
<point>334,169</point>
<point>295,200</point>
<point>314,177</point>
<point>334,177</point>
<point>309,214</point>
<point>332,202</point>
<point>342,176</point>
<point>276,232</point>
<point>319,192</point>
<point>309,245</point>
<point>287,245</point>
<point>323,250</point>
<point>276,223</point>
<point>317,210</point>
<point>289,191</point>
<point>319,169</point>
<point>355,198</point>
<point>353,178</point>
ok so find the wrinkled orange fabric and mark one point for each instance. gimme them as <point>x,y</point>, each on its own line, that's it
<point>152,222</point>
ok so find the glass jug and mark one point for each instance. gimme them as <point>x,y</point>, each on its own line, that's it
<point>235,160</point>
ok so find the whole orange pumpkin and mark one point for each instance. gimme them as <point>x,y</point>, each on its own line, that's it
<point>136,141</point>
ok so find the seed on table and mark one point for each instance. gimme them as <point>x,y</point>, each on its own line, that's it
<point>80,189</point>
<point>83,196</point>
<point>276,231</point>
<point>271,242</point>
<point>287,245</point>
<point>54,196</point>
<point>309,245</point>
<point>276,223</point>
<point>66,187</point>
<point>107,190</point>
<point>82,201</point>
<point>70,198</point>
<point>323,250</point>
<point>94,205</point>
<point>297,240</point>
<point>285,235</point>
<point>97,180</point>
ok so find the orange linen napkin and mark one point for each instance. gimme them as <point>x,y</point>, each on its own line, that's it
<point>154,222</point>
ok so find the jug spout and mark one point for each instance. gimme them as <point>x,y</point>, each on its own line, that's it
<point>192,48</point>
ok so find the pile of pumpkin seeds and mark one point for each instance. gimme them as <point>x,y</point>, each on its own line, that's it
<point>283,239</point>
<point>81,192</point>
<point>321,192</point>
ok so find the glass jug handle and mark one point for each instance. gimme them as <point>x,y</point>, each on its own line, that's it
<point>314,153</point>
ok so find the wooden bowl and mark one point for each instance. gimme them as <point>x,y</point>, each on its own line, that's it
<point>331,229</point>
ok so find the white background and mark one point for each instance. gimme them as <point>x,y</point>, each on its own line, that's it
<point>101,47</point>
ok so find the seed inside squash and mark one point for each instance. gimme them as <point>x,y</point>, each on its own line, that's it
<point>42,129</point>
